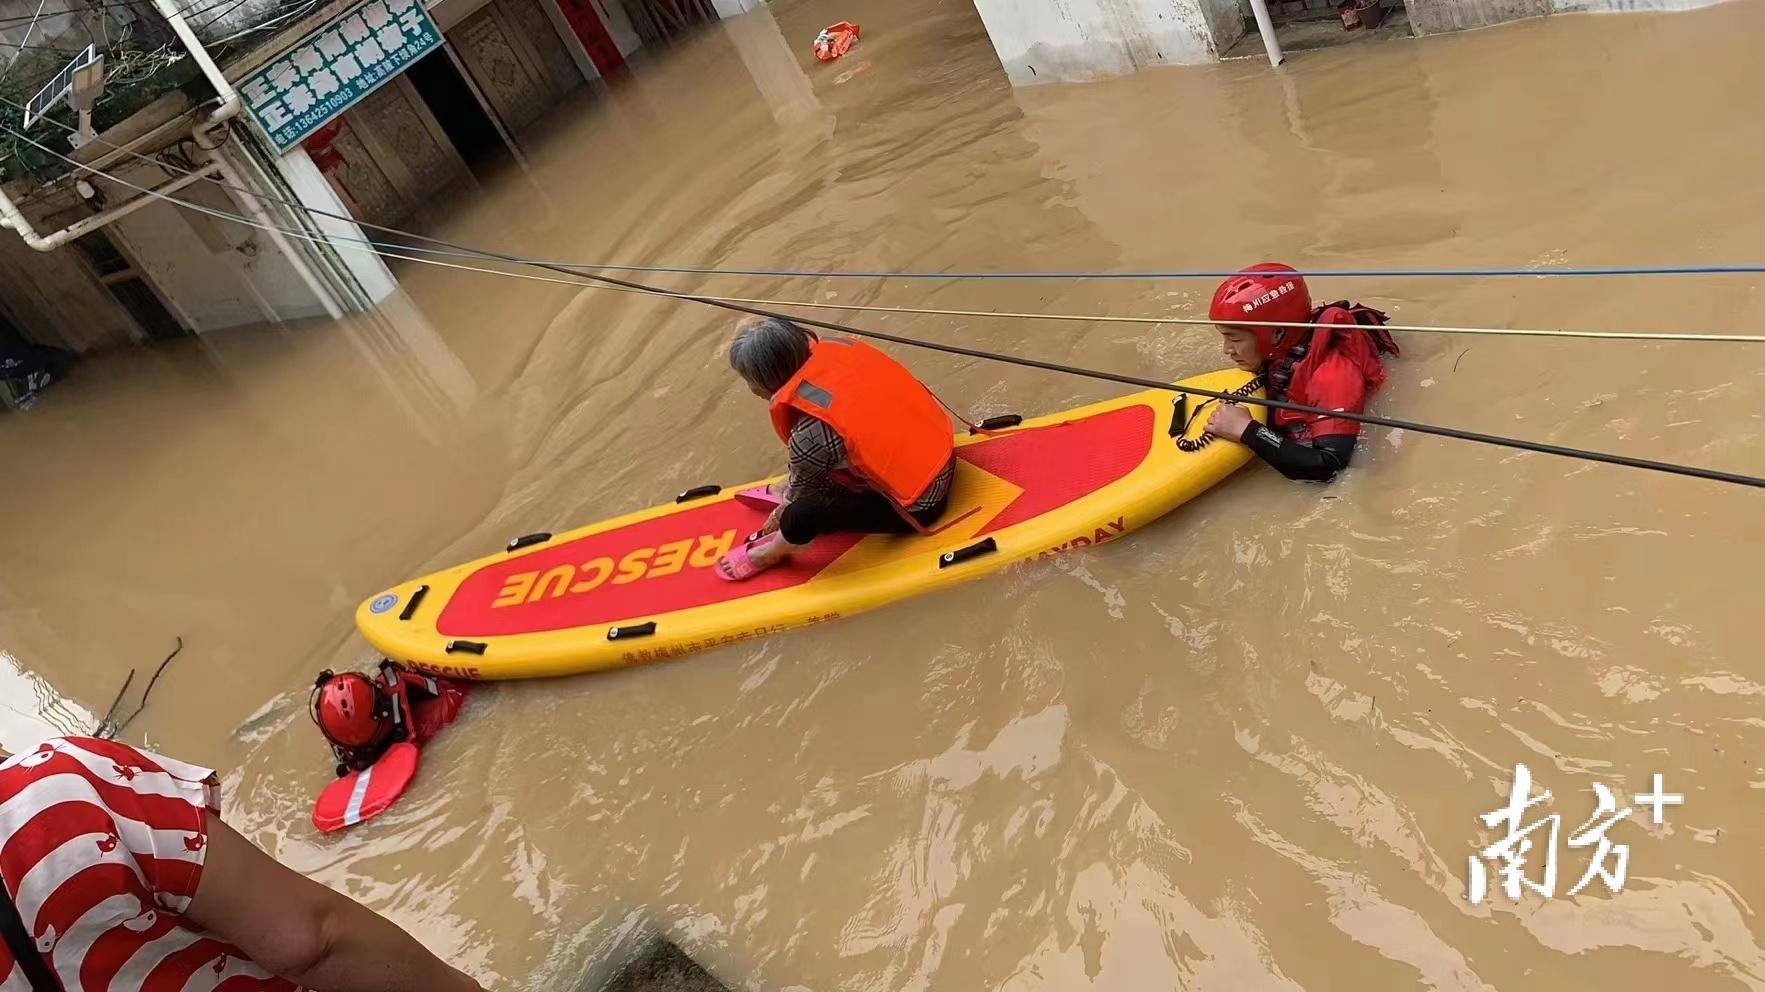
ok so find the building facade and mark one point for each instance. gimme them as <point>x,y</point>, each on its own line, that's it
<point>163,271</point>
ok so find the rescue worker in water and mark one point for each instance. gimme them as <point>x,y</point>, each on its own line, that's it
<point>362,717</point>
<point>1334,367</point>
<point>869,448</point>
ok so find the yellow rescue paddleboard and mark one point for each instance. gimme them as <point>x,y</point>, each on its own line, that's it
<point>642,588</point>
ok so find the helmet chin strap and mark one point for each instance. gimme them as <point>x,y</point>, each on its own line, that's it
<point>312,699</point>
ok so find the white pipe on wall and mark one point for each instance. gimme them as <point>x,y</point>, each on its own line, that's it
<point>12,217</point>
<point>273,227</point>
<point>1264,27</point>
<point>229,96</point>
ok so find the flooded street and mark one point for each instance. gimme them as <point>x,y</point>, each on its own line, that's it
<point>1243,748</point>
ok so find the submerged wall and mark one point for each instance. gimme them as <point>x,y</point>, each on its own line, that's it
<point>214,273</point>
<point>162,271</point>
<point>1436,16</point>
<point>1041,41</point>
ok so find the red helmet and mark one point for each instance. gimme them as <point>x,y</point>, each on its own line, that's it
<point>350,710</point>
<point>1269,291</point>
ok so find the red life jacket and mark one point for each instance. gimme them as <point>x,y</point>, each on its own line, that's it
<point>1330,368</point>
<point>897,438</point>
<point>421,704</point>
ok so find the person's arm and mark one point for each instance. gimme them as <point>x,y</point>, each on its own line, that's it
<point>815,450</point>
<point>1315,462</point>
<point>302,931</point>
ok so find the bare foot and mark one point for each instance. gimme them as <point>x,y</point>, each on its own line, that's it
<point>770,551</point>
<point>762,554</point>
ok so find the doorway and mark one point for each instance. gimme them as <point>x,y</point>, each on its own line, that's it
<point>456,108</point>
<point>129,286</point>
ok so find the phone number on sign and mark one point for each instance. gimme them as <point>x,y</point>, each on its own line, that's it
<point>323,111</point>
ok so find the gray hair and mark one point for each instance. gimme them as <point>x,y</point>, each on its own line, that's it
<point>769,351</point>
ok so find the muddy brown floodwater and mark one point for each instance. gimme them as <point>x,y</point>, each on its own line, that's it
<point>1245,747</point>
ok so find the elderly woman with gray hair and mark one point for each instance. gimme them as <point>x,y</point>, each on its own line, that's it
<point>869,447</point>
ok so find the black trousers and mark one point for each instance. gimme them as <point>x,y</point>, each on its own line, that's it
<point>867,512</point>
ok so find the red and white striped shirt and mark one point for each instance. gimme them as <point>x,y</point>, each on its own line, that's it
<point>101,848</point>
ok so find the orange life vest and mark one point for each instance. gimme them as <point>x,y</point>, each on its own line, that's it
<point>897,438</point>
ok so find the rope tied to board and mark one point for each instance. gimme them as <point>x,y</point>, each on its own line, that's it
<point>1190,445</point>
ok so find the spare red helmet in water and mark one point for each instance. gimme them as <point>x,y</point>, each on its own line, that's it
<point>1268,291</point>
<point>349,711</point>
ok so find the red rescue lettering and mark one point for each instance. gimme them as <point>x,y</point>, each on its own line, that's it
<point>447,671</point>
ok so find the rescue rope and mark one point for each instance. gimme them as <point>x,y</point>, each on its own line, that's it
<point>1207,322</point>
<point>455,251</point>
<point>1637,270</point>
<point>1520,444</point>
<point>396,252</point>
<point>1192,445</point>
<point>1753,268</point>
